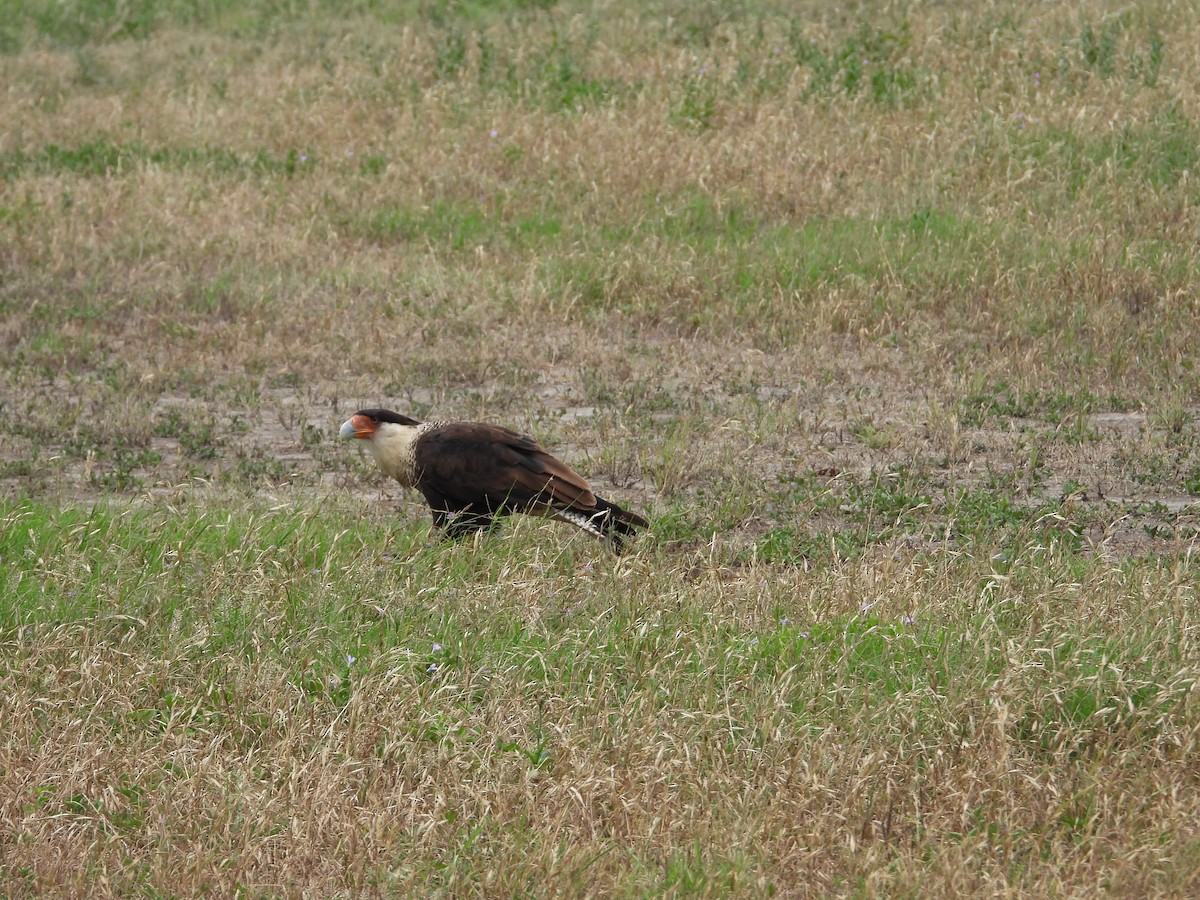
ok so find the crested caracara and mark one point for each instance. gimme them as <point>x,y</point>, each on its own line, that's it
<point>470,473</point>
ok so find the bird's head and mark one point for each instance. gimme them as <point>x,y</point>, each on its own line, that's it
<point>364,423</point>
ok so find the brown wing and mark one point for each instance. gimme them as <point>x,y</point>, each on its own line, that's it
<point>471,465</point>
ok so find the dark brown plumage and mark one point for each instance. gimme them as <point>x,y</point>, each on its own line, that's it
<point>470,473</point>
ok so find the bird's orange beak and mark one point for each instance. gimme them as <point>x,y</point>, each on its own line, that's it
<point>357,427</point>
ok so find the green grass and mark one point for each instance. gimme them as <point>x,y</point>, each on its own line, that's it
<point>86,22</point>
<point>896,505</point>
<point>988,402</point>
<point>870,62</point>
<point>400,653</point>
<point>102,158</point>
<point>1153,154</point>
<point>455,229</point>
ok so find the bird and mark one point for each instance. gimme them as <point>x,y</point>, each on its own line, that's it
<point>472,473</point>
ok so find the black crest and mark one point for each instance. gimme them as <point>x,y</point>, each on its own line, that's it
<point>386,415</point>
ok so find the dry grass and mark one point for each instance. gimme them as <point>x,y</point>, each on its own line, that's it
<point>886,316</point>
<point>318,717</point>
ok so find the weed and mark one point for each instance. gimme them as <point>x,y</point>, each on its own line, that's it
<point>566,85</point>
<point>197,436</point>
<point>698,105</point>
<point>103,158</point>
<point>1099,49</point>
<point>118,472</point>
<point>875,438</point>
<point>1147,67</point>
<point>450,54</point>
<point>871,61</point>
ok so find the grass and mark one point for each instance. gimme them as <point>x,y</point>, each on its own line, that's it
<point>599,701</point>
<point>100,158</point>
<point>882,315</point>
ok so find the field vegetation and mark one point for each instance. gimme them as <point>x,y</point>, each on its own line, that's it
<point>884,313</point>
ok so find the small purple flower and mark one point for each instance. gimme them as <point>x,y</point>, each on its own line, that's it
<point>805,635</point>
<point>303,157</point>
<point>494,133</point>
<point>1037,78</point>
<point>350,659</point>
<point>909,620</point>
<point>432,671</point>
<point>437,648</point>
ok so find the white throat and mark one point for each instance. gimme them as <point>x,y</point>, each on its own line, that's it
<point>392,447</point>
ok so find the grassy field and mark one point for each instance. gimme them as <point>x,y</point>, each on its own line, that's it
<point>885,315</point>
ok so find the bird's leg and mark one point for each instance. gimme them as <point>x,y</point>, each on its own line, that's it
<point>465,522</point>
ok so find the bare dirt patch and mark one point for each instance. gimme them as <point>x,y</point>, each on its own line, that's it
<point>747,428</point>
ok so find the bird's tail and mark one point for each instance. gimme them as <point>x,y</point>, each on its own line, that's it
<point>605,520</point>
